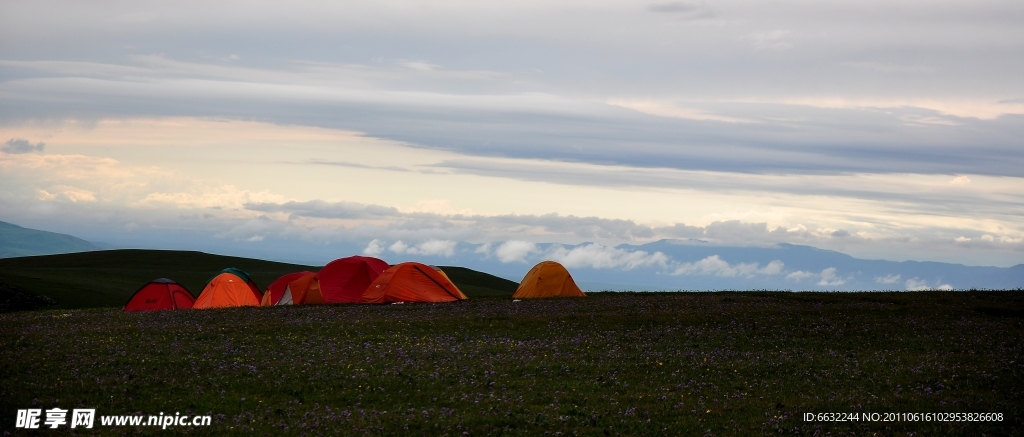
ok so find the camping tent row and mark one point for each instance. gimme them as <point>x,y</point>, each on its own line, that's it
<point>348,280</point>
<point>360,279</point>
<point>354,279</point>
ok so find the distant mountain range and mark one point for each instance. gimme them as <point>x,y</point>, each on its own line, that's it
<point>697,265</point>
<point>18,241</point>
<point>660,265</point>
<point>703,266</point>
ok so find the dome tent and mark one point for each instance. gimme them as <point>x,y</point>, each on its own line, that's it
<point>344,280</point>
<point>304,290</point>
<point>248,281</point>
<point>231,288</point>
<point>547,279</point>
<point>276,290</point>
<point>412,282</point>
<point>160,294</point>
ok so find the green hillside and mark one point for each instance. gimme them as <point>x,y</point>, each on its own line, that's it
<point>108,278</point>
<point>18,241</point>
<point>479,284</point>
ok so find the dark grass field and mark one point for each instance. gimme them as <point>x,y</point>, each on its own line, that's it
<point>108,278</point>
<point>609,364</point>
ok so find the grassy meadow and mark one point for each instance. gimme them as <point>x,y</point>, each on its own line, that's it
<point>610,364</point>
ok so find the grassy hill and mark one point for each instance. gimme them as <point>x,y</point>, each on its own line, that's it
<point>18,241</point>
<point>108,278</point>
<point>479,284</point>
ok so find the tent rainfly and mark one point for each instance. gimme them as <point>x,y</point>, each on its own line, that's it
<point>160,294</point>
<point>547,279</point>
<point>412,282</point>
<point>275,291</point>
<point>304,290</point>
<point>231,288</point>
<point>344,280</point>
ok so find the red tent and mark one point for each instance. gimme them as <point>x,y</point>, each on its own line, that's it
<point>412,282</point>
<point>160,294</point>
<point>344,280</point>
<point>276,288</point>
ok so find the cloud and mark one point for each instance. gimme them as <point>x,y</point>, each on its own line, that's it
<point>672,7</point>
<point>76,194</point>
<point>323,209</point>
<point>534,121</point>
<point>514,251</point>
<point>829,278</point>
<point>420,65</point>
<point>427,248</point>
<point>598,256</point>
<point>356,165</point>
<point>484,249</point>
<point>440,214</point>
<point>374,248</point>
<point>674,110</point>
<point>888,279</point>
<point>960,180</point>
<point>917,284</point>
<point>771,40</point>
<point>876,238</point>
<point>436,247</point>
<point>920,120</point>
<point>884,67</point>
<point>44,195</point>
<point>687,10</point>
<point>224,196</point>
<point>18,145</point>
<point>399,247</point>
<point>772,268</point>
<point>800,275</point>
<point>714,265</point>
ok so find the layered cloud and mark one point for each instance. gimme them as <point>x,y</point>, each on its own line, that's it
<point>918,284</point>
<point>427,248</point>
<point>884,133</point>
<point>597,256</point>
<point>866,215</point>
<point>18,145</point>
<point>714,265</point>
<point>513,250</point>
<point>827,277</point>
<point>793,136</point>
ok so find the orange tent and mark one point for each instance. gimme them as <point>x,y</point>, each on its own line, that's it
<point>227,290</point>
<point>276,289</point>
<point>547,279</point>
<point>412,282</point>
<point>302,291</point>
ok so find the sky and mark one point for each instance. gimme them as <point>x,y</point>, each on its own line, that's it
<point>294,131</point>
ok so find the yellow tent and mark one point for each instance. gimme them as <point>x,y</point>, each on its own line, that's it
<point>547,279</point>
